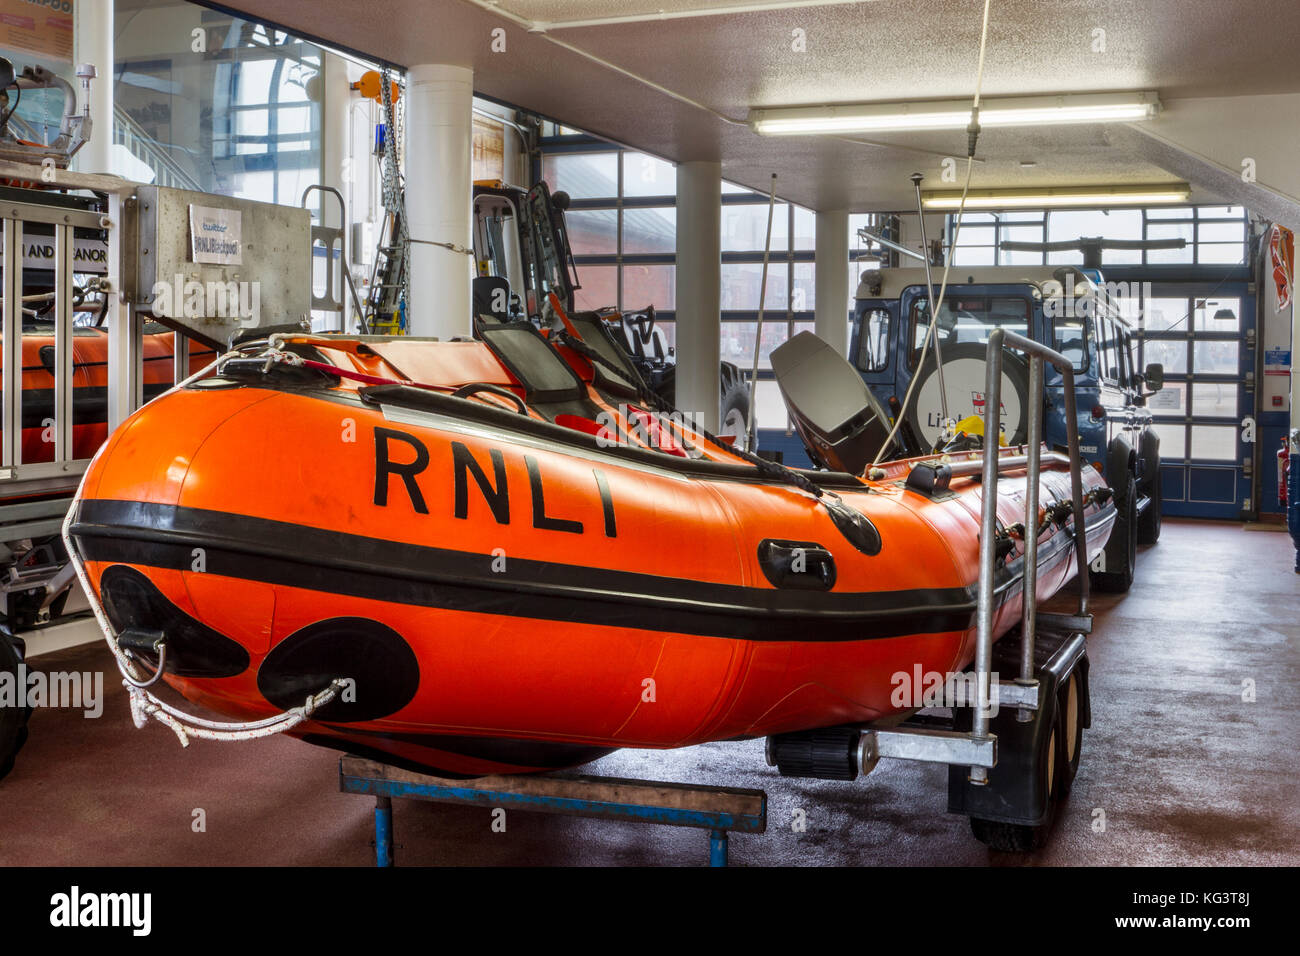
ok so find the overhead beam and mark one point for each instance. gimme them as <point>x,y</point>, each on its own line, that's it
<point>1240,148</point>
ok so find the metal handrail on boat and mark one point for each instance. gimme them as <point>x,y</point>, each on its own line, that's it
<point>978,748</point>
<point>1038,354</point>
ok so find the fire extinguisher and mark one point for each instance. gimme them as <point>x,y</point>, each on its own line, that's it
<point>1283,469</point>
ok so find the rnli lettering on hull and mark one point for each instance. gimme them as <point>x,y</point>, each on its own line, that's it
<point>494,490</point>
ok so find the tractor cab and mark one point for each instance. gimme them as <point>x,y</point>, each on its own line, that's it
<point>517,257</point>
<point>1074,311</point>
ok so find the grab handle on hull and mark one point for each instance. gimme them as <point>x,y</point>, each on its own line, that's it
<point>137,642</point>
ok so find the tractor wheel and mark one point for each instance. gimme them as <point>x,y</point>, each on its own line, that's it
<point>734,414</point>
<point>13,718</point>
<point>1117,577</point>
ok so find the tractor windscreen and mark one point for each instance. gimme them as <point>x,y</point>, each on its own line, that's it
<point>550,246</point>
<point>968,319</point>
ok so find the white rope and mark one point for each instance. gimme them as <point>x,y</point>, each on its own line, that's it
<point>947,263</point>
<point>144,704</point>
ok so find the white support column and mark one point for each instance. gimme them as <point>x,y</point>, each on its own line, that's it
<point>438,159</point>
<point>92,42</point>
<point>833,278</point>
<point>335,171</point>
<point>699,289</point>
<point>336,130</point>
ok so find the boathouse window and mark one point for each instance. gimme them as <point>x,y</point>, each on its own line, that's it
<point>623,229</point>
<point>1214,235</point>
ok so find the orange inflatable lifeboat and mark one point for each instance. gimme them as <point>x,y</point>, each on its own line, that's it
<point>498,556</point>
<point>90,385</point>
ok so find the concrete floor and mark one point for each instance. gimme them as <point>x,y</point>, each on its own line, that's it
<point>1184,770</point>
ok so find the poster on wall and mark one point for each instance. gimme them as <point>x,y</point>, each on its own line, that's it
<point>1281,250</point>
<point>489,149</point>
<point>42,28</point>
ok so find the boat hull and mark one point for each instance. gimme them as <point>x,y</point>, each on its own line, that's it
<point>500,604</point>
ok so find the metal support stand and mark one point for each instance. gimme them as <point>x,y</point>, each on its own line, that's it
<point>719,810</point>
<point>717,848</point>
<point>383,831</point>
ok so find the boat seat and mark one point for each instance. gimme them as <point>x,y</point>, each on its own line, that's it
<point>592,330</point>
<point>492,297</point>
<point>840,422</point>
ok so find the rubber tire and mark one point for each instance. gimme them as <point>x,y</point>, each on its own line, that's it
<point>1118,577</point>
<point>13,720</point>
<point>735,399</point>
<point>1069,706</point>
<point>1148,532</point>
<point>1017,837</point>
<point>1014,368</point>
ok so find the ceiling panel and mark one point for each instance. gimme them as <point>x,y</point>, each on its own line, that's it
<point>714,69</point>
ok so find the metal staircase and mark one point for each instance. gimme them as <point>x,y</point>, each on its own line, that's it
<point>127,132</point>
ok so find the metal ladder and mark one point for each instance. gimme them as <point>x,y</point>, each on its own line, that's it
<point>330,238</point>
<point>386,298</point>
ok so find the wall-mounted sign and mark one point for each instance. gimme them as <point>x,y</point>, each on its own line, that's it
<point>215,236</point>
<point>1277,361</point>
<point>40,27</point>
<point>88,255</point>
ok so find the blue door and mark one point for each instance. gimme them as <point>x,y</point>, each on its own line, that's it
<point>1204,336</point>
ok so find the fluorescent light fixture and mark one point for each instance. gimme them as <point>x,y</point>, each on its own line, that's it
<point>955,114</point>
<point>1152,195</point>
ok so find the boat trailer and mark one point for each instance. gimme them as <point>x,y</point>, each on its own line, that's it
<point>997,779</point>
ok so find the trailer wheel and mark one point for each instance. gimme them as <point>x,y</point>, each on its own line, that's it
<point>1118,576</point>
<point>13,719</point>
<point>1070,707</point>
<point>1017,837</point>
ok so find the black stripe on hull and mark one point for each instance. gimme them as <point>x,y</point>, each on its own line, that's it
<point>273,552</point>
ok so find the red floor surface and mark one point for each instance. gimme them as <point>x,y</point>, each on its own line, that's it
<point>1183,769</point>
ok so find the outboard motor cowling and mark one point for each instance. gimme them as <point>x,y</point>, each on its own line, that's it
<point>841,423</point>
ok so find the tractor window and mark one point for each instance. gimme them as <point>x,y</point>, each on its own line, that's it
<point>550,245</point>
<point>1107,351</point>
<point>967,318</point>
<point>1130,369</point>
<point>496,241</point>
<point>1069,337</point>
<point>873,341</point>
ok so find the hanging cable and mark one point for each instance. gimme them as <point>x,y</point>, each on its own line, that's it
<point>751,420</point>
<point>972,131</point>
